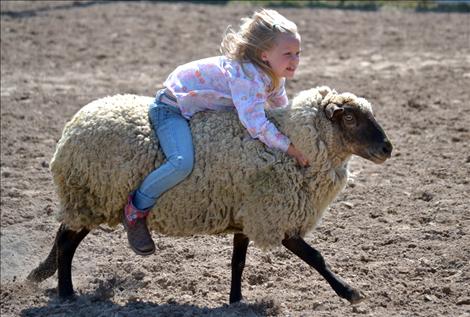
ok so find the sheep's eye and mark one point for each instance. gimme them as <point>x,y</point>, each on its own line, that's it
<point>348,117</point>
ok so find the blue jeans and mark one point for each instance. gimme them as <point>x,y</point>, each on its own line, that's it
<point>174,135</point>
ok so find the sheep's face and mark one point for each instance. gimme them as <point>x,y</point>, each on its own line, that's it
<point>360,132</point>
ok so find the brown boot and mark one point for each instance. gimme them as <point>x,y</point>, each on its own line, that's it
<point>138,235</point>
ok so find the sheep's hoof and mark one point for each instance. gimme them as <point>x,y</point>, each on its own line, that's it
<point>356,297</point>
<point>240,302</point>
<point>66,294</point>
<point>68,298</point>
<point>235,300</point>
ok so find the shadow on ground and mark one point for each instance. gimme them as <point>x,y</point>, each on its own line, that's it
<point>88,305</point>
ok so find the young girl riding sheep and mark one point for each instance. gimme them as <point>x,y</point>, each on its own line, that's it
<point>250,75</point>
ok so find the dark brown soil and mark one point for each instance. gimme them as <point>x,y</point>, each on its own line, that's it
<point>400,231</point>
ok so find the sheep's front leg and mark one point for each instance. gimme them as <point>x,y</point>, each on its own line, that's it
<point>240,246</point>
<point>314,258</point>
<point>67,243</point>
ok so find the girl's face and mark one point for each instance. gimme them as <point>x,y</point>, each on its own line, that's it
<point>284,56</point>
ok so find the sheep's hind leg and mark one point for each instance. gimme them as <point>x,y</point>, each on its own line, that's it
<point>240,246</point>
<point>67,243</point>
<point>314,258</point>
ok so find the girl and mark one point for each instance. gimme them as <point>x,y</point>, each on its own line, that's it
<point>250,75</point>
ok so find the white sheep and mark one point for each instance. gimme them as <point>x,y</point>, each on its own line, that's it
<point>238,185</point>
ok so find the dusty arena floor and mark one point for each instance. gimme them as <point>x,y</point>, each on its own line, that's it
<point>400,231</point>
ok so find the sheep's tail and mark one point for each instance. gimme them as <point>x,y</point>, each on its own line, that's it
<point>65,243</point>
<point>48,267</point>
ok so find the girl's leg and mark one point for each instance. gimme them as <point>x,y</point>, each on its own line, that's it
<point>174,135</point>
<point>175,138</point>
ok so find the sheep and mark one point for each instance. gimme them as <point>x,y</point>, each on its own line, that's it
<point>243,187</point>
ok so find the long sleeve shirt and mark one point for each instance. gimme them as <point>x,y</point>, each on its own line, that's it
<point>219,83</point>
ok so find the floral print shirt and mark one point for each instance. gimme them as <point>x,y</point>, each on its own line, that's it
<point>219,83</point>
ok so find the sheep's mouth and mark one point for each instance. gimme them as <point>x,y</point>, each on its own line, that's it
<point>375,157</point>
<point>378,159</point>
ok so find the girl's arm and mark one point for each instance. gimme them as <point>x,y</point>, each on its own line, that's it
<point>279,98</point>
<point>253,118</point>
<point>249,98</point>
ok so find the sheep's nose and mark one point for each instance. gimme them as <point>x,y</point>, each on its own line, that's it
<point>387,148</point>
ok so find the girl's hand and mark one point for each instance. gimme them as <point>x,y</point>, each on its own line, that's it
<point>299,156</point>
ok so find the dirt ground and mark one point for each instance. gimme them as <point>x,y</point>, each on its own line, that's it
<point>400,231</point>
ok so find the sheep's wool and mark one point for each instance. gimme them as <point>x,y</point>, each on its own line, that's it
<point>237,185</point>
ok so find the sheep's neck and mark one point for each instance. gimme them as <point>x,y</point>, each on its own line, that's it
<point>291,122</point>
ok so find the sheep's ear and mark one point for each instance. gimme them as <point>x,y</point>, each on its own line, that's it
<point>332,111</point>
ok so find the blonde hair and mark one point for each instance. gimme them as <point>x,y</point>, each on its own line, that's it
<point>257,34</point>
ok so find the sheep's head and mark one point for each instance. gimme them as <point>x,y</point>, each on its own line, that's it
<point>360,132</point>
